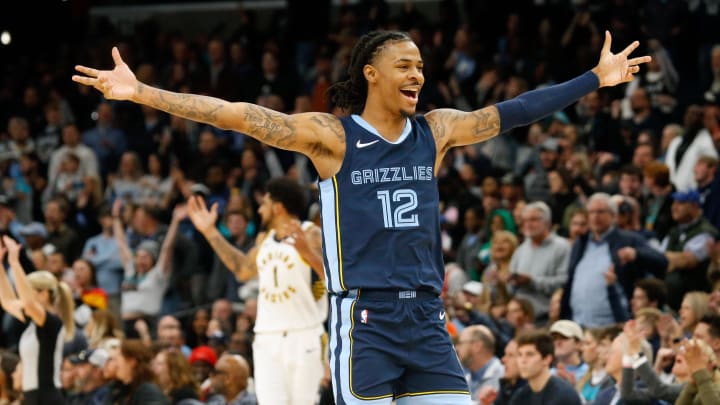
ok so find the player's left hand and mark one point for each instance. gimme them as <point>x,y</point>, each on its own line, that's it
<point>292,233</point>
<point>613,69</point>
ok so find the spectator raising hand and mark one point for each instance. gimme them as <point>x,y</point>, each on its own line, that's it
<point>633,338</point>
<point>703,388</point>
<point>9,301</point>
<point>695,357</point>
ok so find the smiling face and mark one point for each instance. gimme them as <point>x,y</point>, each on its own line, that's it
<point>395,77</point>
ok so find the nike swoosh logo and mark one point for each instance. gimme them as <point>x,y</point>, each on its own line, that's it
<point>442,315</point>
<point>361,145</point>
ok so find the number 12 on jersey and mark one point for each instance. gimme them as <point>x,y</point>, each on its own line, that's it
<point>397,209</point>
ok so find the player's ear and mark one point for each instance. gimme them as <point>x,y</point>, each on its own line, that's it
<point>370,73</point>
<point>277,208</point>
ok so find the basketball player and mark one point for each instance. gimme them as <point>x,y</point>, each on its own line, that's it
<point>379,202</point>
<point>289,347</point>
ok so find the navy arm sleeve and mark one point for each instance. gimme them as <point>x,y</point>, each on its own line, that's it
<point>536,104</point>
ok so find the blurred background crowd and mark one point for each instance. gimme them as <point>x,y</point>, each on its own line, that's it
<point>602,217</point>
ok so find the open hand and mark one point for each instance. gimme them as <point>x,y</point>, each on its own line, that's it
<point>633,342</point>
<point>293,233</point>
<point>695,357</point>
<point>117,84</point>
<point>203,219</point>
<point>13,249</point>
<point>616,68</point>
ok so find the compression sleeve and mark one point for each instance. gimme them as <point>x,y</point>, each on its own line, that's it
<point>536,104</point>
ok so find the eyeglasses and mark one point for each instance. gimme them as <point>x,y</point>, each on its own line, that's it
<point>216,371</point>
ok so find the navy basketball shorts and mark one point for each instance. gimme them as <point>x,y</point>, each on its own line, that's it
<point>387,345</point>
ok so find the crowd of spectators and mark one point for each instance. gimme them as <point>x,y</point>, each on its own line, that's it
<point>582,250</point>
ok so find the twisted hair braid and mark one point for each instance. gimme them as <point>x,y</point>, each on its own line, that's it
<point>352,93</point>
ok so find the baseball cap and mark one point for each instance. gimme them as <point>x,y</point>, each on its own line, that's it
<point>473,287</point>
<point>567,328</point>
<point>511,179</point>
<point>199,188</point>
<point>203,353</point>
<point>6,201</point>
<point>690,196</point>
<point>33,229</point>
<point>97,357</point>
<point>550,144</point>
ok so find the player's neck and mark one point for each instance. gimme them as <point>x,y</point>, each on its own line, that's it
<point>280,221</point>
<point>389,125</point>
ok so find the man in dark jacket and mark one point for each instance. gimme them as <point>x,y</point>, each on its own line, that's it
<point>686,248</point>
<point>610,257</point>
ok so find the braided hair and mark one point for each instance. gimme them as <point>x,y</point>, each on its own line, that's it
<point>352,93</point>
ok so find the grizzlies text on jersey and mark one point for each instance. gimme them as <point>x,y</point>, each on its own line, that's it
<point>380,217</point>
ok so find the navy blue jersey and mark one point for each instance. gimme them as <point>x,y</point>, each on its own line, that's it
<point>380,219</point>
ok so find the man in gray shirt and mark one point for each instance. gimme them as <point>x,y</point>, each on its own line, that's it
<point>539,265</point>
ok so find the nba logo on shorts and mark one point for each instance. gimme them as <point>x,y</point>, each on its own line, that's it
<point>363,316</point>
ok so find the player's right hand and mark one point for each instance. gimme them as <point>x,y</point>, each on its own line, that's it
<point>117,84</point>
<point>203,219</point>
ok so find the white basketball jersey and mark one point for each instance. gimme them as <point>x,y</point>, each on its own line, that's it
<point>285,289</point>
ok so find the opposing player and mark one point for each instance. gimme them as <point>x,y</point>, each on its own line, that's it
<point>379,202</point>
<point>289,350</point>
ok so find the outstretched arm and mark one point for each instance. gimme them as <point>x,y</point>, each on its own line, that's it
<point>33,308</point>
<point>204,219</point>
<point>319,136</point>
<point>126,255</point>
<point>165,256</point>
<point>456,128</point>
<point>8,299</point>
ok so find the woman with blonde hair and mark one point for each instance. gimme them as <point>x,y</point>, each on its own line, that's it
<point>48,306</point>
<point>103,325</point>
<point>496,275</point>
<point>694,306</point>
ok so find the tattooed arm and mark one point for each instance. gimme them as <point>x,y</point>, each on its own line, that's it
<point>204,220</point>
<point>319,136</point>
<point>240,264</point>
<point>457,128</point>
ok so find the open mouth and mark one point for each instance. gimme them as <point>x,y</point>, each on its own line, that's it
<point>410,94</point>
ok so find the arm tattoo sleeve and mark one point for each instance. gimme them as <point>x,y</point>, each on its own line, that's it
<point>231,257</point>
